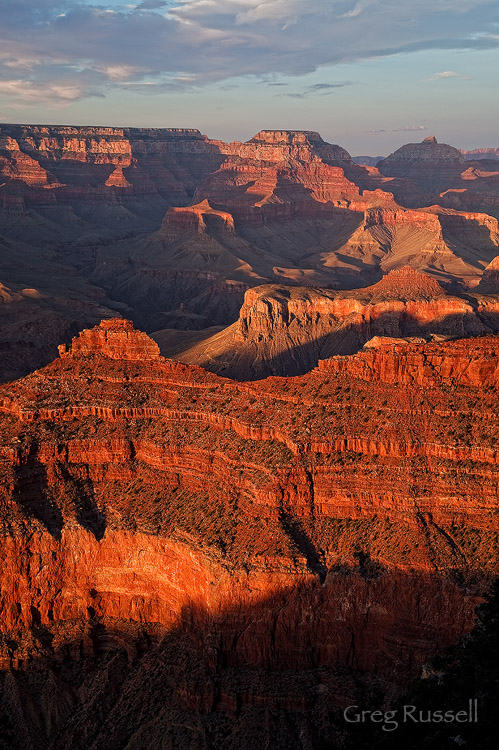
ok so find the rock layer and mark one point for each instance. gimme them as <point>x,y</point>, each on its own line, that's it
<point>171,228</point>
<point>285,330</point>
<point>314,527</point>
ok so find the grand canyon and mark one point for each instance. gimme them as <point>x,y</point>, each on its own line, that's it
<point>248,422</point>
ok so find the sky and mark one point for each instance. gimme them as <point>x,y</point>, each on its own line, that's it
<point>370,75</point>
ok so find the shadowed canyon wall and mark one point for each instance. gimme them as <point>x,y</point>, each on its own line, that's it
<point>170,228</point>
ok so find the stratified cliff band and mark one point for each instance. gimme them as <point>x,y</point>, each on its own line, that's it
<point>277,545</point>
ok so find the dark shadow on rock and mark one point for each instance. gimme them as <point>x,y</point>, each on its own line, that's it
<point>88,513</point>
<point>264,674</point>
<point>346,340</point>
<point>295,531</point>
<point>32,493</point>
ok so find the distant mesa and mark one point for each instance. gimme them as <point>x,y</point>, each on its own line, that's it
<point>481,153</point>
<point>286,145</point>
<point>407,283</point>
<point>115,338</point>
<point>287,137</point>
<point>428,150</point>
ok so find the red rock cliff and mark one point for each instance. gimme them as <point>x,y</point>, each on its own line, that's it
<point>149,490</point>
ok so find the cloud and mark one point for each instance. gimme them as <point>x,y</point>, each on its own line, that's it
<point>403,129</point>
<point>27,92</point>
<point>448,74</point>
<point>409,128</point>
<point>319,89</point>
<point>329,86</point>
<point>270,10</point>
<point>90,48</point>
<point>358,8</point>
<point>443,74</point>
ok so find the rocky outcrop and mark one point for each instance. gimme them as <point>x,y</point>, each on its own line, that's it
<point>285,330</point>
<point>179,223</point>
<point>327,525</point>
<point>115,338</point>
<point>428,163</point>
<point>408,284</point>
<point>388,216</point>
<point>284,146</point>
<point>468,362</point>
<point>489,283</point>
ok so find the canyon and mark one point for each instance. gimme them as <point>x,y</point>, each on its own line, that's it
<point>248,409</point>
<point>277,545</point>
<point>170,228</point>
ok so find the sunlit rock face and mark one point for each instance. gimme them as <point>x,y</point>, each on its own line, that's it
<point>287,330</point>
<point>170,228</point>
<point>240,543</point>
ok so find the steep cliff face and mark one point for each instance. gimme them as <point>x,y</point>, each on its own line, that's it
<point>469,362</point>
<point>286,330</point>
<point>158,519</point>
<point>489,283</point>
<point>170,228</point>
<point>288,145</point>
<point>112,168</point>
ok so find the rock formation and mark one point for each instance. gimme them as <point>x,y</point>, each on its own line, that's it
<point>489,283</point>
<point>287,330</point>
<point>481,153</point>
<point>428,162</point>
<point>116,339</point>
<point>161,520</point>
<point>170,228</point>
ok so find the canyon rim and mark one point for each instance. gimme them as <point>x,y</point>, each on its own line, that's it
<point>249,375</point>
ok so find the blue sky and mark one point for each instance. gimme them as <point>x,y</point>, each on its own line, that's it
<point>368,74</point>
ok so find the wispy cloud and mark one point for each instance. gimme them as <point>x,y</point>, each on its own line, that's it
<point>90,48</point>
<point>409,128</point>
<point>448,74</point>
<point>319,89</point>
<point>444,74</point>
<point>359,8</point>
<point>402,129</point>
<point>27,92</point>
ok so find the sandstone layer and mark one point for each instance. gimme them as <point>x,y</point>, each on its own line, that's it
<point>287,330</point>
<point>170,228</point>
<point>293,532</point>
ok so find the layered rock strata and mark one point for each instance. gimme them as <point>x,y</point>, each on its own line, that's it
<point>155,517</point>
<point>285,330</point>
